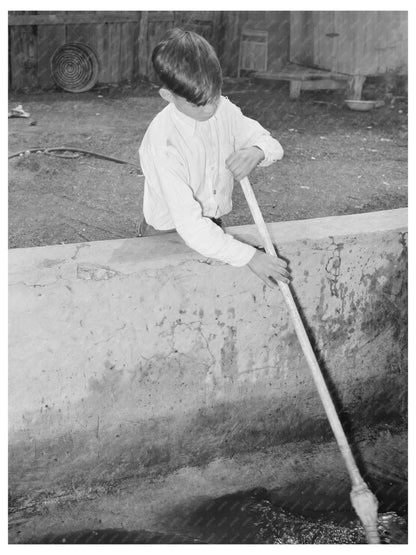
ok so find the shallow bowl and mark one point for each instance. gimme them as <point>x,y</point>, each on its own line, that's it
<point>360,105</point>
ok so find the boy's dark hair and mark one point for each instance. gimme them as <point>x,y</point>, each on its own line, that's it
<point>187,65</point>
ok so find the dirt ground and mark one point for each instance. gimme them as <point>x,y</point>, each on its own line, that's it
<point>337,161</point>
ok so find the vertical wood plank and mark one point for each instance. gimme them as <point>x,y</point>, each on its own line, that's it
<point>126,51</point>
<point>315,26</point>
<point>31,65</point>
<point>388,24</point>
<point>403,34</point>
<point>114,51</point>
<point>299,37</point>
<point>404,41</point>
<point>23,57</point>
<point>230,57</point>
<point>318,38</point>
<point>142,45</point>
<point>294,48</point>
<point>151,43</point>
<point>324,44</point>
<point>332,41</point>
<point>103,52</point>
<point>216,30</point>
<point>352,32</point>
<point>302,38</point>
<point>16,58</point>
<point>358,43</point>
<point>338,28</point>
<point>371,44</point>
<point>342,46</point>
<point>50,37</point>
<point>365,42</point>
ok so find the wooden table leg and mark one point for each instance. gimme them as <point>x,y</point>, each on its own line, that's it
<point>355,87</point>
<point>295,87</point>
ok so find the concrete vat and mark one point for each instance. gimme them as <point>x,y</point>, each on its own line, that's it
<point>137,359</point>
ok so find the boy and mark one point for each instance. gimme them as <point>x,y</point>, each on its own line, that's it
<point>192,151</point>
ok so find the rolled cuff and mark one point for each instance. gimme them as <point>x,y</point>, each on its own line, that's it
<point>272,149</point>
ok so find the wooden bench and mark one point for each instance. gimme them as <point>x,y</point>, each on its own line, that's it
<point>307,79</point>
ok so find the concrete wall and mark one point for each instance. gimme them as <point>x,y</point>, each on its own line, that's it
<point>139,356</point>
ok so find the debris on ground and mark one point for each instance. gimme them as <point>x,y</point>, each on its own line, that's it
<point>18,112</point>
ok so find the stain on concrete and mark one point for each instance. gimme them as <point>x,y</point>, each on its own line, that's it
<point>387,305</point>
<point>93,272</point>
<point>50,262</point>
<point>333,267</point>
<point>229,354</point>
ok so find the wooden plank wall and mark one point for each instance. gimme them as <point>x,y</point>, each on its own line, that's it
<point>355,42</point>
<point>381,44</point>
<point>367,43</point>
<point>113,37</point>
<point>123,41</point>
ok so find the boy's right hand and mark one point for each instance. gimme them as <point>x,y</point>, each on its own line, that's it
<point>268,268</point>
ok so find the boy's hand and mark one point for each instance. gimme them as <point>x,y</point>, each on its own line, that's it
<point>243,161</point>
<point>270,269</point>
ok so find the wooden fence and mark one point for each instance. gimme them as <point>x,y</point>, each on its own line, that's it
<point>368,43</point>
<point>123,41</point>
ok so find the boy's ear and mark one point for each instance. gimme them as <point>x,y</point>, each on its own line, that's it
<point>166,94</point>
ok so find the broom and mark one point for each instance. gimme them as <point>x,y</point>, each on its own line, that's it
<point>363,500</point>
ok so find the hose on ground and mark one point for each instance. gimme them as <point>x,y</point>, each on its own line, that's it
<point>52,150</point>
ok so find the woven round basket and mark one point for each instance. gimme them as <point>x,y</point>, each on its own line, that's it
<point>75,67</point>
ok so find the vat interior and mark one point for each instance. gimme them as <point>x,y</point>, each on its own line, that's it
<point>187,506</point>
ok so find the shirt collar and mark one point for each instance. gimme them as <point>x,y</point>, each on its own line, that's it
<point>185,122</point>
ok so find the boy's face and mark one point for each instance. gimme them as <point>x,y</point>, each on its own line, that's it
<point>198,113</point>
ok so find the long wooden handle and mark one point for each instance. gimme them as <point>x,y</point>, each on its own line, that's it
<point>324,394</point>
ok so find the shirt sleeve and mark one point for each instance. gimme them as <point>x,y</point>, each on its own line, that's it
<point>165,165</point>
<point>248,132</point>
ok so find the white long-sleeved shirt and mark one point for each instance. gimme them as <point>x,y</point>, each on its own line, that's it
<point>186,179</point>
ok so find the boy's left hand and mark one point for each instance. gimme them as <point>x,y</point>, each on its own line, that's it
<point>243,161</point>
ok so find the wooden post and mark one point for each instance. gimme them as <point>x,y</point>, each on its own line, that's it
<point>355,87</point>
<point>295,88</point>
